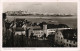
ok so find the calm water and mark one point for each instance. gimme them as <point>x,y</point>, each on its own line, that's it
<point>70,21</point>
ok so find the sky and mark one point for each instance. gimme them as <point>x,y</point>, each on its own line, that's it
<point>42,7</point>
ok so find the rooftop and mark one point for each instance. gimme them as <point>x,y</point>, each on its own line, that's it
<point>70,34</point>
<point>37,28</point>
<point>19,29</point>
<point>51,26</point>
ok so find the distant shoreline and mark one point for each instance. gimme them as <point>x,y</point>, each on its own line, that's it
<point>43,16</point>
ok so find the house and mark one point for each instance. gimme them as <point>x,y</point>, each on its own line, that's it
<point>19,22</point>
<point>39,31</point>
<point>67,38</point>
<point>70,37</point>
<point>52,28</point>
<point>59,39</point>
<point>47,28</point>
<point>36,30</point>
<point>20,31</point>
<point>24,26</point>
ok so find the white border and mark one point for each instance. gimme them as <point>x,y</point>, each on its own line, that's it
<point>39,0</point>
<point>42,48</point>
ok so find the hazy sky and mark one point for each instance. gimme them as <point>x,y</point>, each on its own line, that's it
<point>42,7</point>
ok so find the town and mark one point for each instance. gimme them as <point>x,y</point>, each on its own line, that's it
<point>26,13</point>
<point>23,33</point>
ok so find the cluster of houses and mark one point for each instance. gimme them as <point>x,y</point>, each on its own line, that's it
<point>16,13</point>
<point>63,35</point>
<point>26,13</point>
<point>66,38</point>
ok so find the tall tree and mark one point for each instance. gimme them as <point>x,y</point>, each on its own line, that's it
<point>4,15</point>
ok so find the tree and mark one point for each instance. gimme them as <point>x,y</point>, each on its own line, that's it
<point>22,42</point>
<point>31,36</point>
<point>12,38</point>
<point>44,35</point>
<point>4,15</point>
<point>27,33</point>
<point>51,39</point>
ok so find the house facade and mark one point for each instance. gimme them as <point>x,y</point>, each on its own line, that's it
<point>40,32</point>
<point>63,38</point>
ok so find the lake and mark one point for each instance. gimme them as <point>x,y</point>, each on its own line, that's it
<point>70,21</point>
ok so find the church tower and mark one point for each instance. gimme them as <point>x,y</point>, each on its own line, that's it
<point>45,28</point>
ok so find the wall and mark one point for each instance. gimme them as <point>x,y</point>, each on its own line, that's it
<point>38,33</point>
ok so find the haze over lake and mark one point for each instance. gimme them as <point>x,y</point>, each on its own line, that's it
<point>42,7</point>
<point>70,21</point>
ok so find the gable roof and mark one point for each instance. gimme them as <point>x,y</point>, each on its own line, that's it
<point>70,34</point>
<point>19,29</point>
<point>37,28</point>
<point>50,26</point>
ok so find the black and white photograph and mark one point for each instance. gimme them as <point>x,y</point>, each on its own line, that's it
<point>39,24</point>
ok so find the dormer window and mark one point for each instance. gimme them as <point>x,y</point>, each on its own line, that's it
<point>61,37</point>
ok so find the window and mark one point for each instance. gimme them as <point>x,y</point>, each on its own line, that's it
<point>70,41</point>
<point>57,33</point>
<point>61,37</point>
<point>39,35</point>
<point>69,45</point>
<point>61,41</point>
<point>64,43</point>
<point>67,40</point>
<point>74,42</point>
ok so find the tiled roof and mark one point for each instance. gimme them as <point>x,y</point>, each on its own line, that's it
<point>51,26</point>
<point>37,28</point>
<point>19,29</point>
<point>70,34</point>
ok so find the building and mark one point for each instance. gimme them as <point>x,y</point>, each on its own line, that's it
<point>20,27</point>
<point>36,30</point>
<point>20,31</point>
<point>67,38</point>
<point>16,13</point>
<point>47,28</point>
<point>59,39</point>
<point>70,37</point>
<point>39,32</point>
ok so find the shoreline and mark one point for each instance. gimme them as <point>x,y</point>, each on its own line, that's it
<point>41,17</point>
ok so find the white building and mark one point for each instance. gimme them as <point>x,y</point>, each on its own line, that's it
<point>20,31</point>
<point>59,39</point>
<point>37,31</point>
<point>67,38</point>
